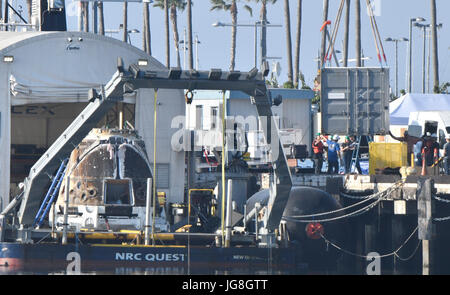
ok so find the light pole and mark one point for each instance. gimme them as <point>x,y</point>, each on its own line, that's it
<point>415,19</point>
<point>131,32</point>
<point>257,23</point>
<point>424,28</point>
<point>396,59</point>
<point>196,41</point>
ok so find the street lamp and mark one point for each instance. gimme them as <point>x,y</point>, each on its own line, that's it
<point>396,59</point>
<point>257,23</point>
<point>415,19</point>
<point>424,28</point>
<point>130,32</point>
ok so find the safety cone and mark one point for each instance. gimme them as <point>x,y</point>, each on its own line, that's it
<point>424,169</point>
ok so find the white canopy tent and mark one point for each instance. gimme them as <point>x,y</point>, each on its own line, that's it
<point>400,108</point>
<point>60,67</point>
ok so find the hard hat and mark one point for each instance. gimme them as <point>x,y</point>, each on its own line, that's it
<point>336,137</point>
<point>428,134</point>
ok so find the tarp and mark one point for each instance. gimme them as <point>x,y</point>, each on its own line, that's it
<point>400,108</point>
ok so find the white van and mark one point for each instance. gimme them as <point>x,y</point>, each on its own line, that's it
<point>437,122</point>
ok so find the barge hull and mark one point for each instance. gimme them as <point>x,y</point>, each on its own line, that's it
<point>112,259</point>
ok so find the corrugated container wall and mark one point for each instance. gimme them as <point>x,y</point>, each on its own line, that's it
<point>355,101</point>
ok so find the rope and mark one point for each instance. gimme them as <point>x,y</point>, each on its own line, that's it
<point>353,214</point>
<point>380,256</point>
<point>367,198</point>
<point>371,16</point>
<point>441,199</point>
<point>334,211</point>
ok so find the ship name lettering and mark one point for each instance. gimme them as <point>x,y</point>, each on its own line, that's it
<point>149,257</point>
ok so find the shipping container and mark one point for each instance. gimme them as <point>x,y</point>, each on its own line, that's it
<point>355,101</point>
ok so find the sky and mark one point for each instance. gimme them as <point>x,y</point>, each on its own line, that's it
<point>214,49</point>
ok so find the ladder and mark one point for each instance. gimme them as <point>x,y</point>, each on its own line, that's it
<point>355,154</point>
<point>51,194</point>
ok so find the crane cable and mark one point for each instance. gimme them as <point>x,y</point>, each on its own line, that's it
<point>376,33</point>
<point>223,167</point>
<point>330,49</point>
<point>154,164</point>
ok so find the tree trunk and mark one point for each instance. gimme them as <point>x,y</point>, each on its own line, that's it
<point>234,12</point>
<point>263,31</point>
<point>358,32</point>
<point>86,16</point>
<point>435,46</point>
<point>189,28</point>
<point>29,9</point>
<point>101,19</point>
<point>147,36</point>
<point>297,45</point>
<point>287,17</point>
<point>166,22</point>
<point>125,22</point>
<point>176,36</point>
<point>346,34</point>
<point>324,33</point>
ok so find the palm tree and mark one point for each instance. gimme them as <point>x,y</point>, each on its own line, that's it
<point>173,7</point>
<point>147,37</point>
<point>86,16</point>
<point>101,19</point>
<point>435,46</point>
<point>29,9</point>
<point>297,45</point>
<point>358,32</point>
<point>166,23</point>
<point>189,32</point>
<point>125,22</point>
<point>231,6</point>
<point>287,17</point>
<point>346,33</point>
<point>263,27</point>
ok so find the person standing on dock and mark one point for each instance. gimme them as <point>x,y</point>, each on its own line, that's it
<point>348,148</point>
<point>334,155</point>
<point>410,141</point>
<point>318,146</point>
<point>430,155</point>
<point>446,155</point>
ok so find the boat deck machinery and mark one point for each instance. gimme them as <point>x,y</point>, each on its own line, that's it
<point>18,218</point>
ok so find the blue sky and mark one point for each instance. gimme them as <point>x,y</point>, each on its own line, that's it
<point>214,50</point>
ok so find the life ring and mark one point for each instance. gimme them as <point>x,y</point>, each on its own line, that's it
<point>314,230</point>
<point>189,96</point>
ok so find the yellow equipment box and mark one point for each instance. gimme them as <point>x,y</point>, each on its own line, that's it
<point>383,155</point>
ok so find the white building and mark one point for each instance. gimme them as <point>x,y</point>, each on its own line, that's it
<point>294,113</point>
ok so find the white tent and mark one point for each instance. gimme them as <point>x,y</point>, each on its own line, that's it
<point>59,68</point>
<point>400,108</point>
